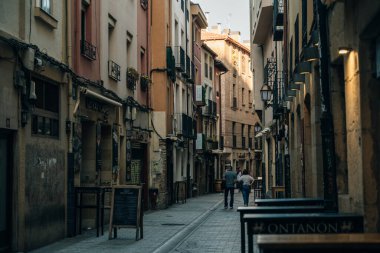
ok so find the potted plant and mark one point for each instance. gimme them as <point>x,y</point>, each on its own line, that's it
<point>144,82</point>
<point>132,77</point>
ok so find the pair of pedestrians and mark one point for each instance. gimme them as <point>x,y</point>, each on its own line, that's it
<point>230,179</point>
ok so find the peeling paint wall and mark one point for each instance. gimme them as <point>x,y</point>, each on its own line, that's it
<point>44,194</point>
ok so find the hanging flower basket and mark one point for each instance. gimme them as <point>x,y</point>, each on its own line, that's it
<point>144,82</point>
<point>132,77</point>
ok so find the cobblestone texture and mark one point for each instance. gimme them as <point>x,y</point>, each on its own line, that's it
<point>203,222</point>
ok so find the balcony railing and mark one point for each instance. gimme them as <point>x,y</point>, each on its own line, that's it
<point>184,125</point>
<point>113,70</point>
<point>144,82</point>
<point>179,54</point>
<point>88,50</point>
<point>200,143</point>
<point>200,95</point>
<point>186,74</point>
<point>191,79</point>
<point>278,94</point>
<point>209,109</point>
<point>234,141</point>
<point>132,77</point>
<point>170,63</point>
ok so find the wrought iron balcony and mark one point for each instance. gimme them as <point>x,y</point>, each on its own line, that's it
<point>184,125</point>
<point>144,82</point>
<point>191,79</point>
<point>186,74</point>
<point>210,108</point>
<point>113,70</point>
<point>200,143</point>
<point>278,94</point>
<point>179,55</point>
<point>170,63</point>
<point>200,95</point>
<point>88,50</point>
<point>132,77</point>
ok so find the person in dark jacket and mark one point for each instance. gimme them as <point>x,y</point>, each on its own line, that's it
<point>230,178</point>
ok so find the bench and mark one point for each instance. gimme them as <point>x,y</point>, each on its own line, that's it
<point>290,202</point>
<point>313,243</point>
<point>272,209</point>
<point>301,223</point>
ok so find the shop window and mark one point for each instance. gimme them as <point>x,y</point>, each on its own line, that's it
<point>45,118</point>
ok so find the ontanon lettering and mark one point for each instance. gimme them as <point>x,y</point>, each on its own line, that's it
<point>300,229</point>
<point>284,229</point>
<point>310,228</point>
<point>333,228</point>
<point>321,228</point>
<point>272,229</point>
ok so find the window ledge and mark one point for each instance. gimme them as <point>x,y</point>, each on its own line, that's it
<point>45,17</point>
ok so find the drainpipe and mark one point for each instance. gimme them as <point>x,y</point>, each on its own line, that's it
<point>327,127</point>
<point>189,189</point>
<point>69,80</point>
<point>220,120</point>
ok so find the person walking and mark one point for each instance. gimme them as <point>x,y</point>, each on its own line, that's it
<point>230,178</point>
<point>238,175</point>
<point>247,181</point>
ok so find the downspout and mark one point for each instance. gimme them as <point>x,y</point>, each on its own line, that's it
<point>69,80</point>
<point>220,119</point>
<point>327,127</point>
<point>189,189</point>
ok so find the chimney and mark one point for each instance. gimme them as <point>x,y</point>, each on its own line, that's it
<point>216,29</point>
<point>235,35</point>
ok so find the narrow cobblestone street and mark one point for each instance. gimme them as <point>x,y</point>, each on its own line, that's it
<point>199,225</point>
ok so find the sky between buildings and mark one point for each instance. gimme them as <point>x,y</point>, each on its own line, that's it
<point>232,14</point>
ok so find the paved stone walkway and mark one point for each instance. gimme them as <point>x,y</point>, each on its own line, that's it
<point>200,225</point>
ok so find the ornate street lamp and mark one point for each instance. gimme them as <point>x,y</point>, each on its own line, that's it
<point>266,93</point>
<point>257,128</point>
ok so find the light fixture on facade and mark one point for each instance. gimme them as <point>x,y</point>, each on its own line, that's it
<point>266,93</point>
<point>257,128</point>
<point>344,50</point>
<point>304,67</point>
<point>310,54</point>
<point>315,38</point>
<point>292,93</point>
<point>294,86</point>
<point>298,78</point>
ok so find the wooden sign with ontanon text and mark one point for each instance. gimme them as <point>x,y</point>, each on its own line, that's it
<point>126,209</point>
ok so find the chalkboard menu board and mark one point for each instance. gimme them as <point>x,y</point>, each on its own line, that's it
<point>126,209</point>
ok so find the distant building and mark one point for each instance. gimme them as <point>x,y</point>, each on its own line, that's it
<point>237,111</point>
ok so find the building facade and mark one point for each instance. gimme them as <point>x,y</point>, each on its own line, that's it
<point>236,98</point>
<point>33,113</point>
<point>330,73</point>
